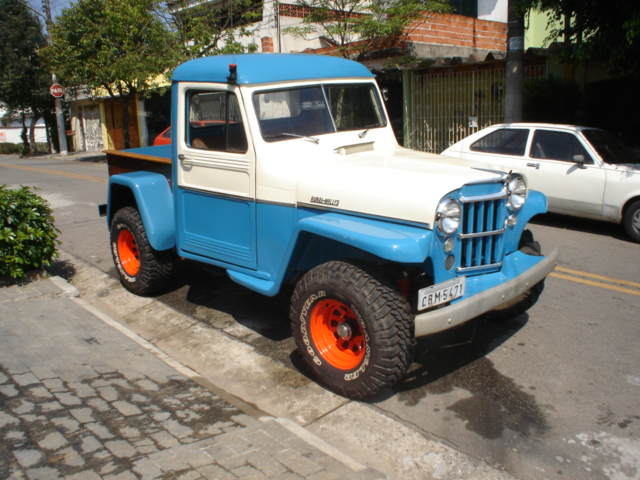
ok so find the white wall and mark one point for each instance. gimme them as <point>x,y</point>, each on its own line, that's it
<point>12,135</point>
<point>494,10</point>
<point>11,132</point>
<point>267,28</point>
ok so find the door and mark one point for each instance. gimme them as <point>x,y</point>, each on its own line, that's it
<point>215,177</point>
<point>560,166</point>
<point>91,128</point>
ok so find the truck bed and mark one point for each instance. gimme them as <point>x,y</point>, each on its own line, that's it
<point>153,159</point>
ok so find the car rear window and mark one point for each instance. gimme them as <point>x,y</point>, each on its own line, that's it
<point>505,141</point>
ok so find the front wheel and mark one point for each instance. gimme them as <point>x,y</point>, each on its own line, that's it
<point>142,270</point>
<point>354,332</point>
<point>631,221</point>
<point>523,303</point>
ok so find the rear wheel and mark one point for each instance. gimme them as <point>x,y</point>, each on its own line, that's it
<point>631,221</point>
<point>353,331</point>
<point>142,270</point>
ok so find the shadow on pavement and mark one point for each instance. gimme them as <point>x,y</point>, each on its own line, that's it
<point>585,225</point>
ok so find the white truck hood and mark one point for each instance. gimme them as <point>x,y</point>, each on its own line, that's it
<point>395,183</point>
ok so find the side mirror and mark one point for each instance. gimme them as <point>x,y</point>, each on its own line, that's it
<point>580,160</point>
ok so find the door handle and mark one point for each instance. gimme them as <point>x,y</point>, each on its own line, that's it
<point>534,165</point>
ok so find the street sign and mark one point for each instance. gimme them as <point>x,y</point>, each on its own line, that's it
<point>56,90</point>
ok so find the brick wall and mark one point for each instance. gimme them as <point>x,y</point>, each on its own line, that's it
<point>266,44</point>
<point>460,31</point>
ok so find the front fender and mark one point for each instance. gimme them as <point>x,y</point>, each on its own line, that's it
<point>154,200</point>
<point>536,204</point>
<point>390,241</point>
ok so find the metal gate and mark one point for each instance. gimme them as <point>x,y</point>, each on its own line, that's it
<point>444,105</point>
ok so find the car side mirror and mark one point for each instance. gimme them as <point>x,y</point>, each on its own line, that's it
<point>580,160</point>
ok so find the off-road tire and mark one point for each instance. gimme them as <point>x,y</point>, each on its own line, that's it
<point>528,246</point>
<point>378,314</point>
<point>155,269</point>
<point>631,221</point>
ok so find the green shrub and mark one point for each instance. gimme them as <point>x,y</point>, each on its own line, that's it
<point>28,236</point>
<point>9,148</point>
<point>12,148</point>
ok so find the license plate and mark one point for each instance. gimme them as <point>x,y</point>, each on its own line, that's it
<point>441,293</point>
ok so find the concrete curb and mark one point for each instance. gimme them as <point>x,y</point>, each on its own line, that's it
<point>343,429</point>
<point>70,291</point>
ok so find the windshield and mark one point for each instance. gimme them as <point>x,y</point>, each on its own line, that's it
<point>610,148</point>
<point>316,110</point>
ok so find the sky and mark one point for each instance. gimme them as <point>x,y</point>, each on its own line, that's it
<point>56,6</point>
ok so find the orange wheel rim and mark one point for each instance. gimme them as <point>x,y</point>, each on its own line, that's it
<point>336,334</point>
<point>128,252</point>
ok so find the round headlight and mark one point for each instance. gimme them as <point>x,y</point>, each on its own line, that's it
<point>517,189</point>
<point>448,216</point>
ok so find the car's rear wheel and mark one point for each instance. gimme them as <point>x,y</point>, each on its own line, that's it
<point>353,331</point>
<point>142,270</point>
<point>631,221</point>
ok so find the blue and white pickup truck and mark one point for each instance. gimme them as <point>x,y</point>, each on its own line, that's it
<point>284,171</point>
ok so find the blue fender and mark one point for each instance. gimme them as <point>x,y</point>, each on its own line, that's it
<point>535,205</point>
<point>391,241</point>
<point>154,200</point>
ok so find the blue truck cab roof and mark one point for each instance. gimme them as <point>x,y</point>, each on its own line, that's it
<point>268,68</point>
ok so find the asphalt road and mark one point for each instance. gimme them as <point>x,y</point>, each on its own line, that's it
<point>550,394</point>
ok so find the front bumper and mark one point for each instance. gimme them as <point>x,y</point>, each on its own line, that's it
<point>459,312</point>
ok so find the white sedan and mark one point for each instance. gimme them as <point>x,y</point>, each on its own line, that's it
<point>584,172</point>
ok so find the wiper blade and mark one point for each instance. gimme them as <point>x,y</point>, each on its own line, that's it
<point>294,135</point>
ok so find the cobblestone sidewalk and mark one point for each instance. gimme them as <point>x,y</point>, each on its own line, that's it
<point>79,400</point>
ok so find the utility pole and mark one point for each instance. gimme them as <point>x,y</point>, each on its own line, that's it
<point>514,66</point>
<point>62,138</point>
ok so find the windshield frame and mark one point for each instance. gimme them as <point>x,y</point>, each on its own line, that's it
<point>377,106</point>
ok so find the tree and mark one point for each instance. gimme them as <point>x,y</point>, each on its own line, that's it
<point>606,30</point>
<point>118,46</point>
<point>210,28</point>
<point>358,26</point>
<point>24,82</point>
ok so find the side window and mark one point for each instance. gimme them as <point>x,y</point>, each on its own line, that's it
<point>561,146</point>
<point>215,122</point>
<point>506,141</point>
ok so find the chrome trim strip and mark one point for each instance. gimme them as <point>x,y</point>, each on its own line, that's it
<point>464,236</point>
<point>278,204</point>
<point>483,198</point>
<point>488,266</point>
<point>212,193</point>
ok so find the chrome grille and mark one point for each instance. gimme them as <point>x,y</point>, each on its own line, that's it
<point>482,237</point>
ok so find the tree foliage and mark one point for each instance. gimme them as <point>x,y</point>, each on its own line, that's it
<point>119,46</point>
<point>210,28</point>
<point>358,26</point>
<point>24,82</point>
<point>606,30</point>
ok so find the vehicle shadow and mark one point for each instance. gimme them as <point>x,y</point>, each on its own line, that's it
<point>209,296</point>
<point>447,353</point>
<point>585,225</point>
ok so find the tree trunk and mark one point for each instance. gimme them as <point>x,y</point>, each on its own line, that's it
<point>514,64</point>
<point>125,120</point>
<point>32,132</point>
<point>26,151</point>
